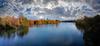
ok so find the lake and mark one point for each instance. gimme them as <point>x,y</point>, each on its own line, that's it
<point>62,34</point>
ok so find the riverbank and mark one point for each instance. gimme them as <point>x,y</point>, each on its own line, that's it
<point>88,22</point>
<point>91,28</point>
<point>10,22</point>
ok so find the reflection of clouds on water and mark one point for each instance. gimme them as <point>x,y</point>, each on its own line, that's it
<point>64,34</point>
<point>60,40</point>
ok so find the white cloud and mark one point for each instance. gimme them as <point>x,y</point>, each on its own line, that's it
<point>48,8</point>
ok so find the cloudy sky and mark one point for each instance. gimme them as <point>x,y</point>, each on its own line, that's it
<point>49,8</point>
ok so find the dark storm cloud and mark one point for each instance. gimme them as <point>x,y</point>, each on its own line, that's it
<point>95,4</point>
<point>3,6</point>
<point>98,6</point>
<point>46,1</point>
<point>2,3</point>
<point>98,1</point>
<point>25,1</point>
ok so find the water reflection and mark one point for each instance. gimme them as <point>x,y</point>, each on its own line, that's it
<point>54,25</point>
<point>92,36</point>
<point>63,34</point>
<point>12,32</point>
<point>91,29</point>
<point>21,31</point>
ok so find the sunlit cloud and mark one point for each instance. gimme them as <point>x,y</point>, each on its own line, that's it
<point>63,17</point>
<point>41,17</point>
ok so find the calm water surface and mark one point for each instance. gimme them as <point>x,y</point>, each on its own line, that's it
<point>63,34</point>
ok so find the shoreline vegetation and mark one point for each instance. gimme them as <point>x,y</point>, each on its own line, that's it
<point>10,22</point>
<point>90,26</point>
<point>88,23</point>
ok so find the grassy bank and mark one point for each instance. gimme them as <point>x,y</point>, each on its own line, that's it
<point>10,22</point>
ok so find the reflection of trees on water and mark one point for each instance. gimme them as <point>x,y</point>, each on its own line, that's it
<point>43,25</point>
<point>92,36</point>
<point>91,27</point>
<point>13,32</point>
<point>21,31</point>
